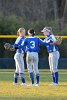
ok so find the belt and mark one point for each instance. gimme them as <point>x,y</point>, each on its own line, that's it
<point>52,51</point>
<point>32,51</point>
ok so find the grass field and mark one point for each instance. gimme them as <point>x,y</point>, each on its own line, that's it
<point>44,92</point>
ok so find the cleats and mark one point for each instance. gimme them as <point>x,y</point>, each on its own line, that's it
<point>54,84</point>
<point>31,85</point>
<point>23,84</point>
<point>36,85</point>
<point>15,83</point>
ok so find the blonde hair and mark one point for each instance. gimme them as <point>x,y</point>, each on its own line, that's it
<point>20,30</point>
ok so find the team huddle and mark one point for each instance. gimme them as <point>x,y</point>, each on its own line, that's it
<point>31,47</point>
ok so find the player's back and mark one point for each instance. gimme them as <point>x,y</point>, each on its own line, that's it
<point>32,44</point>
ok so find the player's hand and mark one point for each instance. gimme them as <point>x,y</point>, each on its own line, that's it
<point>12,48</point>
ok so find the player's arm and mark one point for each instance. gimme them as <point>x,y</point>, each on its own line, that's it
<point>8,46</point>
<point>41,42</point>
<point>15,45</point>
<point>12,47</point>
<point>58,41</point>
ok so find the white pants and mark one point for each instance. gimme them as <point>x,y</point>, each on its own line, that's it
<point>53,61</point>
<point>32,62</point>
<point>19,62</point>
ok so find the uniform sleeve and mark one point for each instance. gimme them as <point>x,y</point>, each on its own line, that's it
<point>41,42</point>
<point>17,40</point>
<point>52,38</point>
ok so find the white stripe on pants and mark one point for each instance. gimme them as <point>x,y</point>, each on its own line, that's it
<point>53,61</point>
<point>19,62</point>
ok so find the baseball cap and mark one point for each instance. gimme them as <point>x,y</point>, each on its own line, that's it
<point>49,29</point>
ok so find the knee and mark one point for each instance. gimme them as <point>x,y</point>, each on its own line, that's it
<point>37,75</point>
<point>36,70</point>
<point>30,70</point>
<point>55,69</point>
<point>16,57</point>
<point>21,69</point>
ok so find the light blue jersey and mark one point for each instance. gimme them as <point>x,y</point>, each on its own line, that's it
<point>33,44</point>
<point>49,39</point>
<point>18,42</point>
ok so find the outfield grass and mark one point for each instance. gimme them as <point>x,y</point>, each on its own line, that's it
<point>44,92</point>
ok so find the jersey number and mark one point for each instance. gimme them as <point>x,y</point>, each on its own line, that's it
<point>32,44</point>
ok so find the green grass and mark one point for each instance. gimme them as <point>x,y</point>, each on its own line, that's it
<point>44,92</point>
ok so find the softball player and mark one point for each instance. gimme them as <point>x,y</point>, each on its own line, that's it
<point>53,54</point>
<point>33,44</point>
<point>19,62</point>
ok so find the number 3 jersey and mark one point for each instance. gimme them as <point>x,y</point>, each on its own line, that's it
<point>32,44</point>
